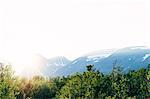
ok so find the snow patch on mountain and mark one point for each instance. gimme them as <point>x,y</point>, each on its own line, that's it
<point>139,47</point>
<point>96,58</point>
<point>74,62</point>
<point>146,56</point>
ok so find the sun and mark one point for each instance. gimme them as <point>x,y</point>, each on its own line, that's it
<point>26,63</point>
<point>20,61</point>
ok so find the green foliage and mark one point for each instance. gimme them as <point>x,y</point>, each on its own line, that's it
<point>118,83</point>
<point>90,84</point>
<point>43,88</point>
<point>8,83</point>
<point>81,85</point>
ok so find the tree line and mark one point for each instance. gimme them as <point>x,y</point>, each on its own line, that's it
<point>91,84</point>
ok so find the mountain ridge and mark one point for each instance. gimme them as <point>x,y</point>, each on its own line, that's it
<point>128,58</point>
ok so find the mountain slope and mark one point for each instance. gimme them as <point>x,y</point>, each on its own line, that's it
<point>54,64</point>
<point>130,58</point>
<point>44,67</point>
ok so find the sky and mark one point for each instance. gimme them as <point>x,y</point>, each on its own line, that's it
<point>71,28</point>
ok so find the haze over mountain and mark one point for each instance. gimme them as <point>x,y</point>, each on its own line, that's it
<point>69,28</point>
<point>35,66</point>
<point>130,58</point>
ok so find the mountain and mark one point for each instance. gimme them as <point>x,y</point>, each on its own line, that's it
<point>44,67</point>
<point>130,58</point>
<point>54,64</point>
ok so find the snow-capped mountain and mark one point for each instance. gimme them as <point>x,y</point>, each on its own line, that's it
<point>54,64</point>
<point>130,58</point>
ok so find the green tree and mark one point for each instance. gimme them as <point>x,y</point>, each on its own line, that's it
<point>119,83</point>
<point>81,85</point>
<point>7,82</point>
<point>42,88</point>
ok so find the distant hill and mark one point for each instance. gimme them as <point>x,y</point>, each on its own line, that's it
<point>130,58</point>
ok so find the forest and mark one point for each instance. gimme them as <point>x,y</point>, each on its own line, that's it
<point>90,84</point>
